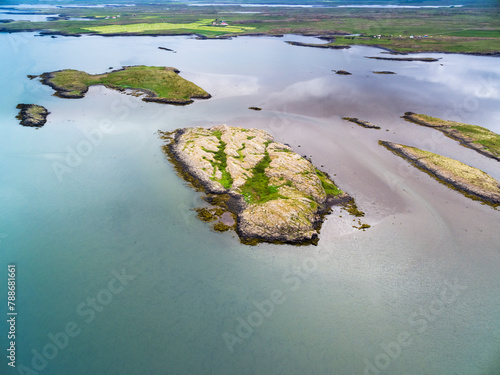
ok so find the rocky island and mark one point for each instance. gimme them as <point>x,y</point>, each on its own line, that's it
<point>468,180</point>
<point>342,72</point>
<point>32,115</point>
<point>422,59</point>
<point>315,45</point>
<point>160,84</point>
<point>475,137</point>
<point>273,194</point>
<point>363,123</point>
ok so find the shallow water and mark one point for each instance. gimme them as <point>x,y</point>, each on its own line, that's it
<point>25,17</point>
<point>118,206</point>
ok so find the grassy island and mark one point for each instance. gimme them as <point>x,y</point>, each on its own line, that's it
<point>274,194</point>
<point>476,137</point>
<point>32,115</point>
<point>160,84</point>
<point>468,180</point>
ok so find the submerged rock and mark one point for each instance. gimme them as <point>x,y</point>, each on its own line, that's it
<point>275,194</point>
<point>342,72</point>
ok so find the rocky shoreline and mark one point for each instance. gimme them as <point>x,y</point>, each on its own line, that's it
<point>273,194</point>
<point>453,134</point>
<point>32,115</point>
<point>61,92</point>
<point>451,179</point>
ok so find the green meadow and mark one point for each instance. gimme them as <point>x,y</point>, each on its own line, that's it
<point>195,27</point>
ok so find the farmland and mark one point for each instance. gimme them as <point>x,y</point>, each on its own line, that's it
<point>193,27</point>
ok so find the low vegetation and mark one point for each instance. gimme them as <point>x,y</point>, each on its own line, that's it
<point>328,185</point>
<point>257,188</point>
<point>220,163</point>
<point>468,180</point>
<point>194,27</point>
<point>481,139</point>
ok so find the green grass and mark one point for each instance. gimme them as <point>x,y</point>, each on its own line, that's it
<point>330,188</point>
<point>220,162</point>
<point>257,188</point>
<point>195,27</point>
<point>482,136</point>
<point>477,33</point>
<point>240,156</point>
<point>164,82</point>
<point>432,44</point>
<point>478,134</point>
<point>471,175</point>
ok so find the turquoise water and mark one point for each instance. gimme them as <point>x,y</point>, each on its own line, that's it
<point>90,196</point>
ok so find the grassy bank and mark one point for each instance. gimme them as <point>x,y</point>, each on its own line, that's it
<point>481,139</point>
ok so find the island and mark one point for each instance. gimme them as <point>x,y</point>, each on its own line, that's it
<point>273,194</point>
<point>470,181</point>
<point>362,123</point>
<point>159,84</point>
<point>167,49</point>
<point>475,137</point>
<point>315,45</point>
<point>422,59</point>
<point>343,72</point>
<point>32,115</point>
<point>384,72</point>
